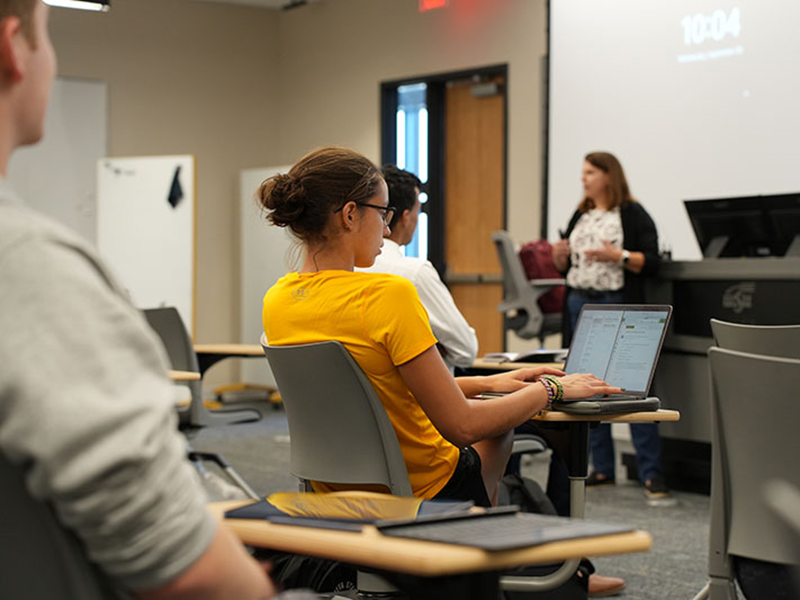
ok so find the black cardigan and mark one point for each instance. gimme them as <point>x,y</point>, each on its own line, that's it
<point>639,235</point>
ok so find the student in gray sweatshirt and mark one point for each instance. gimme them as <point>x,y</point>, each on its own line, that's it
<point>96,497</point>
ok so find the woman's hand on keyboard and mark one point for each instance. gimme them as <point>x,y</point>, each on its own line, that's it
<point>584,385</point>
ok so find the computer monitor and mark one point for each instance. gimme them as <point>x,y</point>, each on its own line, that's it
<point>783,214</point>
<point>752,226</point>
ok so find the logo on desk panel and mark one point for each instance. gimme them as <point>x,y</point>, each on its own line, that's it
<point>739,297</point>
<point>300,293</point>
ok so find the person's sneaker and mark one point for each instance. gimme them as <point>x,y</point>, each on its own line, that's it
<point>656,488</point>
<point>595,479</point>
<point>601,587</point>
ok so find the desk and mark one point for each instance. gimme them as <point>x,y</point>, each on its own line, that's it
<point>210,354</point>
<point>207,356</point>
<point>180,376</point>
<point>422,559</point>
<point>578,459</point>
<point>486,367</point>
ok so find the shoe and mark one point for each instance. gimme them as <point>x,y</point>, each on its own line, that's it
<point>656,488</point>
<point>595,479</point>
<point>601,587</point>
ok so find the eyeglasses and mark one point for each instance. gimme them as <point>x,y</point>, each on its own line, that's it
<point>386,211</point>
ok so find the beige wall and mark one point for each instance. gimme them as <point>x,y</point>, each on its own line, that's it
<point>334,55</point>
<point>243,87</point>
<point>187,77</point>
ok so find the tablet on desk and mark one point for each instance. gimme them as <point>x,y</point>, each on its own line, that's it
<point>502,528</point>
<point>342,510</point>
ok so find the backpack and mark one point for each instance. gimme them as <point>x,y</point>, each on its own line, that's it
<point>529,496</point>
<point>537,262</point>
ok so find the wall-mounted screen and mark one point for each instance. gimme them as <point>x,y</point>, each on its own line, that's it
<point>698,99</point>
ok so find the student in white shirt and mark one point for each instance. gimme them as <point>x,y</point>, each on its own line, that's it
<point>457,340</point>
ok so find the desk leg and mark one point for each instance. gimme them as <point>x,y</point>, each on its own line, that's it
<point>578,468</point>
<point>200,416</point>
<point>206,361</point>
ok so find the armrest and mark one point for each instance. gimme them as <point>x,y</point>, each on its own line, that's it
<point>547,282</point>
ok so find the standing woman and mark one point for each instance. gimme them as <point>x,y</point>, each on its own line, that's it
<point>610,246</point>
<point>336,203</point>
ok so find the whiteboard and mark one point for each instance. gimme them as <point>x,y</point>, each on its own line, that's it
<point>149,244</point>
<point>265,253</point>
<point>57,176</point>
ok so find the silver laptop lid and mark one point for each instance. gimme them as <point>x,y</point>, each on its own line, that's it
<point>619,343</point>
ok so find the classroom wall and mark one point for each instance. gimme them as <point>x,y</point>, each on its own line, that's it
<point>244,87</point>
<point>335,54</point>
<point>187,77</point>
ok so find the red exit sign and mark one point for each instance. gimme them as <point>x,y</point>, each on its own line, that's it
<point>426,5</point>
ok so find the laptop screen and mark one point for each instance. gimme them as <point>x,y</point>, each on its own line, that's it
<point>619,343</point>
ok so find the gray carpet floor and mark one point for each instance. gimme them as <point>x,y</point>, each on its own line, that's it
<point>674,568</point>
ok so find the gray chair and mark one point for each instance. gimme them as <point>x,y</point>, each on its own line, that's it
<point>754,440</point>
<point>339,433</point>
<point>783,499</point>
<point>520,305</point>
<point>778,340</point>
<point>39,558</point>
<point>168,325</point>
<point>338,428</point>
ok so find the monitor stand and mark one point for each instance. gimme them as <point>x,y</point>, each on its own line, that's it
<point>716,246</point>
<point>794,248</point>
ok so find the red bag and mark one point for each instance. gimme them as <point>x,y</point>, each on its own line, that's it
<point>537,262</point>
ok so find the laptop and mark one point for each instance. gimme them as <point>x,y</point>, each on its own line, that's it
<point>620,344</point>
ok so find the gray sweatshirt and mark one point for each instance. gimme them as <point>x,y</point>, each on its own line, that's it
<point>86,407</point>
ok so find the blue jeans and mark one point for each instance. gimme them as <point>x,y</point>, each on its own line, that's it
<point>646,440</point>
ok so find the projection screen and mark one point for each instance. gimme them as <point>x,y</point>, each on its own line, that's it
<point>697,99</point>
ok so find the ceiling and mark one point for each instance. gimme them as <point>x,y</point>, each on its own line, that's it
<point>273,4</point>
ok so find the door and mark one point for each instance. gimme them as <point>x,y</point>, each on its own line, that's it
<point>474,199</point>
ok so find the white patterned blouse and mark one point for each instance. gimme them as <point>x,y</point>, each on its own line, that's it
<point>594,227</point>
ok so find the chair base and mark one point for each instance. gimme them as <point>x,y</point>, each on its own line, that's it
<point>199,416</point>
<point>371,585</point>
<point>717,589</point>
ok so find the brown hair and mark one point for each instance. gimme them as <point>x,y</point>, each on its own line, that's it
<point>321,182</point>
<point>618,192</point>
<point>403,186</point>
<point>23,9</point>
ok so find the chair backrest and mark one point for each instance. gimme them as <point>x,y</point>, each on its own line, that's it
<point>755,412</point>
<point>338,427</point>
<point>779,340</point>
<point>516,289</point>
<point>167,323</point>
<point>39,558</point>
<point>520,305</point>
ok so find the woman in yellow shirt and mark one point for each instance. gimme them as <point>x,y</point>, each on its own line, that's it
<point>335,202</point>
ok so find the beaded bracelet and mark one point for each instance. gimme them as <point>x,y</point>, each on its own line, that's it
<point>551,394</point>
<point>551,391</point>
<point>559,388</point>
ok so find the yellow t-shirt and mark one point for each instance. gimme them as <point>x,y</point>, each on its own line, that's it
<point>382,323</point>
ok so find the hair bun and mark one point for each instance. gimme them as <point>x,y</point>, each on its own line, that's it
<point>318,185</point>
<point>284,197</point>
